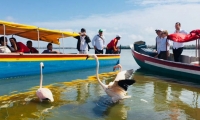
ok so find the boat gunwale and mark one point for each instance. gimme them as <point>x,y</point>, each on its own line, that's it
<point>166,61</point>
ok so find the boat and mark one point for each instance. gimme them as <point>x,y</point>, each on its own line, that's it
<point>16,65</point>
<point>188,68</point>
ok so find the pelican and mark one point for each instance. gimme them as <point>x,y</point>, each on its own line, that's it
<point>43,93</point>
<point>117,89</point>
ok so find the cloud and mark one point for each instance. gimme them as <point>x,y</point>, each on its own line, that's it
<point>161,2</point>
<point>133,25</point>
<point>135,37</point>
<point>10,19</point>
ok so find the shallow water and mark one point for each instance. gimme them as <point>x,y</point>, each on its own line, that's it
<point>78,96</point>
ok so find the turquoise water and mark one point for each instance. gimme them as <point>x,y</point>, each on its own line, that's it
<point>78,96</point>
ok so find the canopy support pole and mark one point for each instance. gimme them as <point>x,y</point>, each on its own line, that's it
<point>196,49</point>
<point>59,47</point>
<point>4,35</point>
<point>63,42</point>
<point>199,50</point>
<point>38,38</point>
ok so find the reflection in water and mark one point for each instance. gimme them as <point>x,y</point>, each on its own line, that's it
<point>84,99</point>
<point>105,107</point>
<point>168,97</point>
<point>27,105</point>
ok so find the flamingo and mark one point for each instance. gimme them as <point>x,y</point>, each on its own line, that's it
<point>117,89</point>
<point>43,93</point>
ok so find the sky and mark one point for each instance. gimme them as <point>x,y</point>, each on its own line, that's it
<point>133,19</point>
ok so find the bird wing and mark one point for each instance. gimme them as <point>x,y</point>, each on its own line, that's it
<point>125,83</point>
<point>44,93</point>
<point>124,75</point>
<point>121,85</point>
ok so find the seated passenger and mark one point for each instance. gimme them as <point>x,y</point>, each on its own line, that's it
<point>18,46</point>
<point>163,46</point>
<point>4,46</point>
<point>32,49</point>
<point>50,49</point>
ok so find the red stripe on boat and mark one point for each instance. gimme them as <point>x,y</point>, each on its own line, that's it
<point>142,58</point>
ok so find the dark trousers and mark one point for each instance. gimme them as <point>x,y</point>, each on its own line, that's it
<point>109,51</point>
<point>163,55</point>
<point>177,54</point>
<point>98,51</point>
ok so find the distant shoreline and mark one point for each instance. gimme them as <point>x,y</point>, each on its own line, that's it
<point>93,48</point>
<point>125,47</point>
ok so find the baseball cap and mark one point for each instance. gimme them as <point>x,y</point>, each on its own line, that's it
<point>118,36</point>
<point>83,30</point>
<point>100,30</point>
<point>159,30</point>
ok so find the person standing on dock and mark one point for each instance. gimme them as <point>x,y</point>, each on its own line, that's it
<point>99,42</point>
<point>178,47</point>
<point>83,42</point>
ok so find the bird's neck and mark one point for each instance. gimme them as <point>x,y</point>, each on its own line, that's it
<point>97,75</point>
<point>41,77</point>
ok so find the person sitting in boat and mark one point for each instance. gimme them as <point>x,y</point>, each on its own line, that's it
<point>112,46</point>
<point>18,46</point>
<point>4,46</point>
<point>163,46</point>
<point>50,49</point>
<point>83,42</point>
<point>32,49</point>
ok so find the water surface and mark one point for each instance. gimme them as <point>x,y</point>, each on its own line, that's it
<point>78,96</point>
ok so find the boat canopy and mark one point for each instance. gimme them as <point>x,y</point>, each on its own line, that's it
<point>34,32</point>
<point>180,37</point>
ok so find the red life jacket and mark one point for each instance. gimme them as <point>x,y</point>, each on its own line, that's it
<point>22,48</point>
<point>113,44</point>
<point>33,50</point>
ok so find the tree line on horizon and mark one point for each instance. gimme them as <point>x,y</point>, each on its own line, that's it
<point>127,47</point>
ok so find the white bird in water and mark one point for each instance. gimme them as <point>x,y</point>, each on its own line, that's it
<point>43,93</point>
<point>117,89</point>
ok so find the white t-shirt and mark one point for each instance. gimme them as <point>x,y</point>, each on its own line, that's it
<point>4,49</point>
<point>98,42</point>
<point>177,45</point>
<point>161,44</point>
<point>83,45</point>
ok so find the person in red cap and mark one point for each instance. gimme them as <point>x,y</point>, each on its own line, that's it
<point>112,46</point>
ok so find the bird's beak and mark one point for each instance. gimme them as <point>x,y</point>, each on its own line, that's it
<point>114,68</point>
<point>42,67</point>
<point>87,57</point>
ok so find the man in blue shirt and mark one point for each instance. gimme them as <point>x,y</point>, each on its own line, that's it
<point>50,49</point>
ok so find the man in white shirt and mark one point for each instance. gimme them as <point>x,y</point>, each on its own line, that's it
<point>99,42</point>
<point>3,47</point>
<point>178,47</point>
<point>158,32</point>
